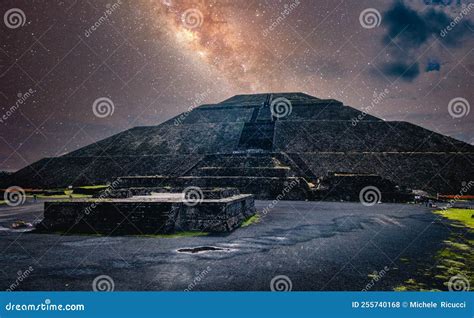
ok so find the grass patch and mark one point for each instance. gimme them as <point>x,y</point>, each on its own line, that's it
<point>463,216</point>
<point>456,257</point>
<point>62,196</point>
<point>101,186</point>
<point>254,219</point>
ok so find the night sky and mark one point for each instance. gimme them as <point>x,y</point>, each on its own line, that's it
<point>153,59</point>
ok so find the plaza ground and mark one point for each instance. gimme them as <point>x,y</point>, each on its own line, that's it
<point>317,245</point>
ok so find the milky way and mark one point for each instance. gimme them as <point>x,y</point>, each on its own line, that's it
<point>215,34</point>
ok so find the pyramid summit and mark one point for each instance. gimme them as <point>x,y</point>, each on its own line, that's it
<point>263,143</point>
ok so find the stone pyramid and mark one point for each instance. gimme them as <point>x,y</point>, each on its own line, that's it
<point>264,144</point>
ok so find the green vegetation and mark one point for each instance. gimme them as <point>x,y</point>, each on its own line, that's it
<point>254,219</point>
<point>62,196</point>
<point>102,186</point>
<point>456,257</point>
<point>462,217</point>
<point>412,285</point>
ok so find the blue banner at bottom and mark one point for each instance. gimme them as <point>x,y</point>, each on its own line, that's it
<point>236,304</point>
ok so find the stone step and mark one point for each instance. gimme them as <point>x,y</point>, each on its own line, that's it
<point>264,188</point>
<point>207,193</point>
<point>257,136</point>
<point>264,114</point>
<point>240,161</point>
<point>245,171</point>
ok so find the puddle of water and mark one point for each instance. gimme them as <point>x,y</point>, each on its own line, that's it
<point>22,230</point>
<point>201,249</point>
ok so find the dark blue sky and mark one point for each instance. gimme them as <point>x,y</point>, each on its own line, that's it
<point>154,59</point>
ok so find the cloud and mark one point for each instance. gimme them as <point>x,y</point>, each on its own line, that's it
<point>405,71</point>
<point>407,30</point>
<point>405,25</point>
<point>433,65</point>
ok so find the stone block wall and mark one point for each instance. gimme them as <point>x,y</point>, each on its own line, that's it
<point>135,217</point>
<point>111,218</point>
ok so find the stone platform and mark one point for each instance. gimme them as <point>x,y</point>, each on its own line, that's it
<point>159,213</point>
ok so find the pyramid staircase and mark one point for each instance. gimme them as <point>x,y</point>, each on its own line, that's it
<point>266,175</point>
<point>252,167</point>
